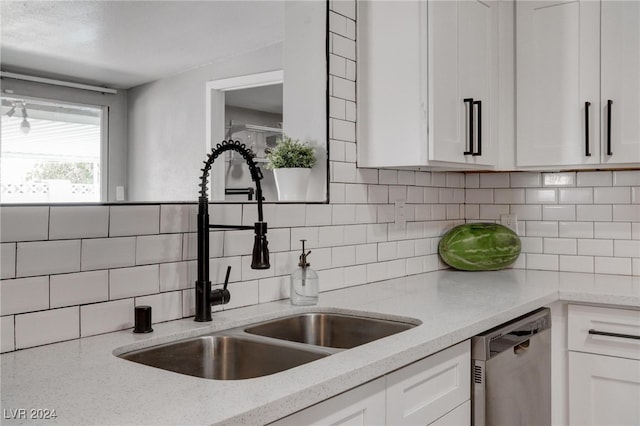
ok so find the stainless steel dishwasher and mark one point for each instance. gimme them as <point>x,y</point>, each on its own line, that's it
<point>511,369</point>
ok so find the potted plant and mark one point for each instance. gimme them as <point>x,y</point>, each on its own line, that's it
<point>291,162</point>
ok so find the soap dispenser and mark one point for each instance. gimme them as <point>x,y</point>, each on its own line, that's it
<point>304,282</point>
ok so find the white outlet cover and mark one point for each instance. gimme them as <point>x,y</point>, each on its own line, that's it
<point>510,221</point>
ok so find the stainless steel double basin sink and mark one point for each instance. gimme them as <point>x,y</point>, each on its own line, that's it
<point>267,347</point>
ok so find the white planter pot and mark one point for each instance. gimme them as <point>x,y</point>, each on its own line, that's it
<point>292,183</point>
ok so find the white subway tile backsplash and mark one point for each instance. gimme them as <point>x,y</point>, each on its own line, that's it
<point>387,177</point>
<point>553,212</point>
<point>78,222</point>
<point>136,281</point>
<point>560,246</point>
<point>105,253</point>
<point>479,196</point>
<point>625,213</point>
<point>24,223</point>
<point>454,180</point>
<point>276,288</point>
<point>355,275</point>
<point>541,196</point>
<point>331,236</point>
<point>244,293</point>
<point>406,177</point>
<point>387,251</point>
<point>423,178</point>
<point>366,253</point>
<point>576,264</point>
<point>607,195</point>
<point>615,230</point>
<point>525,179</point>
<point>541,229</point>
<point>595,178</point>
<point>164,306</point>
<point>575,195</point>
<point>376,233</point>
<point>346,8</point>
<point>190,245</point>
<point>8,259</point>
<point>24,295</point>
<point>319,214</point>
<point>343,172</point>
<point>158,249</point>
<point>369,176</point>
<point>254,274</point>
<point>7,336</point>
<point>546,262</point>
<point>626,248</point>
<point>309,234</point>
<point>105,317</point>
<point>336,148</point>
<point>356,193</point>
<point>376,271</point>
<point>575,229</point>
<point>344,214</point>
<point>527,211</point>
<point>343,256</point>
<point>635,231</point>
<point>133,220</point>
<point>378,194</point>
<point>178,218</point>
<point>626,178</point>
<point>438,179</point>
<point>355,234</point>
<point>79,288</point>
<point>40,328</point>
<point>386,213</point>
<point>173,276</point>
<point>509,196</point>
<point>612,265</point>
<point>594,213</point>
<point>47,257</point>
<point>490,211</point>
<point>397,193</point>
<point>531,244</point>
<point>343,46</point>
<point>589,247</point>
<point>494,180</point>
<point>635,195</point>
<point>559,179</point>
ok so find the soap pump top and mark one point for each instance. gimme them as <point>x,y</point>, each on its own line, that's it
<point>303,257</point>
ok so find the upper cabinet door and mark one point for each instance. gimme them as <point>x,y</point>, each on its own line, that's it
<point>463,40</point>
<point>620,81</point>
<point>557,70</point>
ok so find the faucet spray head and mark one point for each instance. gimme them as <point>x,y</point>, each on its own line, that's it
<point>260,258</point>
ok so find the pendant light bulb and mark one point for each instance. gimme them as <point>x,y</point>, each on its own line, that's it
<point>25,126</point>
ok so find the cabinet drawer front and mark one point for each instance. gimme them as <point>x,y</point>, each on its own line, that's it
<point>605,331</point>
<point>428,389</point>
<point>458,417</point>
<point>364,406</point>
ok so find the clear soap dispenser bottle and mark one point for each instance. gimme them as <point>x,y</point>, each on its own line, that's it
<point>304,282</point>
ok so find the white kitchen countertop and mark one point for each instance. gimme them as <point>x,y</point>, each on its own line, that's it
<point>86,384</point>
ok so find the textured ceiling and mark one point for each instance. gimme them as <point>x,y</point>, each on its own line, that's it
<point>122,44</point>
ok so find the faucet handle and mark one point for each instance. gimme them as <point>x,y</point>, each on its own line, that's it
<point>222,296</point>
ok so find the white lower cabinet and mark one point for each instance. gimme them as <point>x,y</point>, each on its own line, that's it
<point>432,391</point>
<point>604,366</point>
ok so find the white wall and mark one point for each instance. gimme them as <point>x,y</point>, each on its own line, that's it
<point>167,142</point>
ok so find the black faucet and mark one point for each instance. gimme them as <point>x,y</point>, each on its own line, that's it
<point>205,298</point>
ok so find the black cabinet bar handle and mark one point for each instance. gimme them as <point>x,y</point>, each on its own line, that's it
<point>470,101</point>
<point>586,129</point>
<point>479,151</point>
<point>620,335</point>
<point>609,103</point>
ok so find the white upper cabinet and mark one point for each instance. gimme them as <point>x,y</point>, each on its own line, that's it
<point>568,66</point>
<point>418,62</point>
<point>462,73</point>
<point>620,81</point>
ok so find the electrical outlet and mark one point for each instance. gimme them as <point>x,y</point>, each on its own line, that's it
<point>510,221</point>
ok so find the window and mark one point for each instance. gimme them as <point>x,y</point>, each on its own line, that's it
<point>50,151</point>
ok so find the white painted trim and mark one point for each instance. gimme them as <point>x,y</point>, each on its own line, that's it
<point>5,74</point>
<point>215,97</point>
<point>247,81</point>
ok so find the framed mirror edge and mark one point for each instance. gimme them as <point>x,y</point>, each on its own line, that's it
<point>195,201</point>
